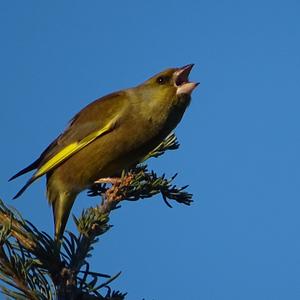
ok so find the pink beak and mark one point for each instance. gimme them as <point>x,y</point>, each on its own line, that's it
<point>181,80</point>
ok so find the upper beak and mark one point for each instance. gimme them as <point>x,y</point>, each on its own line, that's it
<point>181,80</point>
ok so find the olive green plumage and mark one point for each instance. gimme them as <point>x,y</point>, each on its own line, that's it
<point>110,134</point>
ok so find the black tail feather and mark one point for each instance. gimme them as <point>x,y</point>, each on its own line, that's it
<point>22,190</point>
<point>31,167</point>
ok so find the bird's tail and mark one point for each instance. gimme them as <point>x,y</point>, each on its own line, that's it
<point>62,203</point>
<point>61,211</point>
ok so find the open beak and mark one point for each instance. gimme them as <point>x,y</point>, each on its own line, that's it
<point>181,80</point>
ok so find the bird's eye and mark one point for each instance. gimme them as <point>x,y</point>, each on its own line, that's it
<point>161,79</point>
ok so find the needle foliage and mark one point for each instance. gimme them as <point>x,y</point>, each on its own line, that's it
<point>34,266</point>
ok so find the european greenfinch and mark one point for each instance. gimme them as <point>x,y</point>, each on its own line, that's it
<point>111,134</point>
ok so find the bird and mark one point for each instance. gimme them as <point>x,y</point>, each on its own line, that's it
<point>109,135</point>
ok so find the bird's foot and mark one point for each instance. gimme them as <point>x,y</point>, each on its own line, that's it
<point>112,194</point>
<point>111,180</point>
<point>116,181</point>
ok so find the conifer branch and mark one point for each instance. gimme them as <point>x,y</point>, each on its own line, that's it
<point>35,266</point>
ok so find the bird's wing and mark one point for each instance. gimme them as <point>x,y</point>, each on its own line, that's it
<point>72,148</point>
<point>95,120</point>
<point>65,153</point>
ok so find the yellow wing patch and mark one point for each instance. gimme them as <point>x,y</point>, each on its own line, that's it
<point>71,149</point>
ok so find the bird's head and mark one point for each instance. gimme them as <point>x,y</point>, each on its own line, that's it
<point>171,83</point>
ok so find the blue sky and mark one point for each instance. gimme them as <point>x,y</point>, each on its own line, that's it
<point>239,139</point>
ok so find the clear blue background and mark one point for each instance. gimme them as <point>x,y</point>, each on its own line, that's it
<point>239,139</point>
